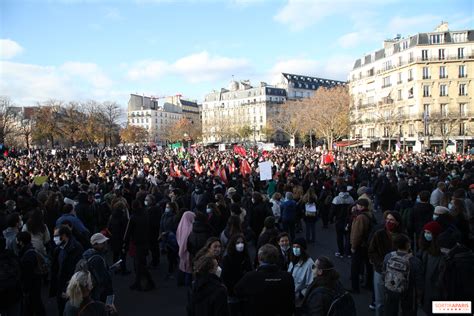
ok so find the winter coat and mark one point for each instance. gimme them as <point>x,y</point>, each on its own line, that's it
<point>267,291</point>
<point>422,214</point>
<point>63,266</point>
<point>10,239</point>
<point>117,225</point>
<point>288,211</point>
<point>258,212</point>
<point>379,246</point>
<point>234,266</point>
<point>319,298</point>
<point>198,237</point>
<point>101,276</point>
<point>87,214</point>
<point>87,308</point>
<point>341,207</point>
<point>360,230</point>
<point>302,273</point>
<point>207,297</point>
<point>28,263</point>
<point>168,222</point>
<point>436,197</point>
<point>77,224</point>
<point>154,216</point>
<point>139,229</point>
<point>431,267</point>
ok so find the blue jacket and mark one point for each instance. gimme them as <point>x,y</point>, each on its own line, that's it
<point>288,211</point>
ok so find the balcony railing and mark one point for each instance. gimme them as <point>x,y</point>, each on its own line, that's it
<point>386,85</point>
<point>426,77</point>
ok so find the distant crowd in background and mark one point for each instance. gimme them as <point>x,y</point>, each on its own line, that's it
<point>73,219</point>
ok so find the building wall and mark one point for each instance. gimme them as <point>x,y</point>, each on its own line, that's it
<point>391,88</point>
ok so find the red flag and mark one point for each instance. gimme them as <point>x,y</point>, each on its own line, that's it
<point>186,173</point>
<point>197,167</point>
<point>232,167</point>
<point>328,159</point>
<point>213,166</point>
<point>222,174</point>
<point>245,167</point>
<point>240,150</point>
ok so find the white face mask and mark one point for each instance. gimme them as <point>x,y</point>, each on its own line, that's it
<point>239,247</point>
<point>57,240</point>
<point>209,210</point>
<point>146,203</point>
<point>218,271</point>
<point>167,210</point>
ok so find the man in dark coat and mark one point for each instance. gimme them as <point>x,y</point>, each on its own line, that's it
<point>154,214</point>
<point>31,281</point>
<point>422,214</point>
<point>199,235</point>
<point>65,257</point>
<point>267,291</point>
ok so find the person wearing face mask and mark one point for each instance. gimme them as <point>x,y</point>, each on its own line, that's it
<point>208,296</point>
<point>168,242</point>
<point>14,224</point>
<point>96,260</point>
<point>380,245</point>
<point>300,268</point>
<point>66,255</point>
<point>283,240</point>
<point>31,281</point>
<point>323,290</point>
<point>235,263</point>
<point>422,214</point>
<point>432,260</point>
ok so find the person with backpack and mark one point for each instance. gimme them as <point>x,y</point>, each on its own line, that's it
<point>96,263</point>
<point>288,214</point>
<point>403,279</point>
<point>326,295</point>
<point>361,226</point>
<point>381,243</point>
<point>32,303</point>
<point>340,209</point>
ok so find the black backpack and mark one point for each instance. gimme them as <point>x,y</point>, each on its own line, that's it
<point>342,304</point>
<point>457,274</point>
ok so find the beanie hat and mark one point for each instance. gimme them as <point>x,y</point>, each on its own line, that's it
<point>441,210</point>
<point>363,202</point>
<point>300,241</point>
<point>362,190</point>
<point>433,227</point>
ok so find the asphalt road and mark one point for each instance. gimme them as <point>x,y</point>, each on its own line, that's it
<point>168,299</point>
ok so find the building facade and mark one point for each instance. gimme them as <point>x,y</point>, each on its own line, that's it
<point>301,86</point>
<point>240,112</point>
<point>145,112</point>
<point>416,91</point>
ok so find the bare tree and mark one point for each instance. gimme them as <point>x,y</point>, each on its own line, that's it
<point>111,113</point>
<point>389,119</point>
<point>7,118</point>
<point>445,125</point>
<point>286,118</point>
<point>327,113</point>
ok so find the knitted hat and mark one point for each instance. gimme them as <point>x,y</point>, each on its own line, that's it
<point>471,186</point>
<point>433,227</point>
<point>300,241</point>
<point>362,190</point>
<point>441,210</point>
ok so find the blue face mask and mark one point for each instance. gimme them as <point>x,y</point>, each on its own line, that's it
<point>428,236</point>
<point>297,252</point>
<point>435,217</point>
<point>209,210</point>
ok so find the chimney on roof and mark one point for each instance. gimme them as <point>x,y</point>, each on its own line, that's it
<point>443,27</point>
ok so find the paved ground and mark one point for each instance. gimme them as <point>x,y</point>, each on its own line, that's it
<point>168,299</point>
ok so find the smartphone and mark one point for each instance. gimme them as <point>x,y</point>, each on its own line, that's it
<point>110,300</point>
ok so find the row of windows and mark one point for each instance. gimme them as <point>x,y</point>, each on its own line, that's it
<point>156,114</point>
<point>426,74</point>
<point>443,109</point>
<point>443,90</point>
<point>148,121</point>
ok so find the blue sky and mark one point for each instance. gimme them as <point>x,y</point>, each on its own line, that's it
<point>105,50</point>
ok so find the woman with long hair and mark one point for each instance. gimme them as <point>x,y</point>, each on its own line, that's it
<point>323,290</point>
<point>79,301</point>
<point>182,233</point>
<point>308,204</point>
<point>300,268</point>
<point>234,226</point>
<point>235,263</point>
<point>213,248</point>
<point>39,232</point>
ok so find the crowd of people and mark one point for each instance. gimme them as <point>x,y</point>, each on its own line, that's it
<point>405,221</point>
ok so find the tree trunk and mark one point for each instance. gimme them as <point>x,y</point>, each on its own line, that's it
<point>310,139</point>
<point>444,145</point>
<point>389,144</point>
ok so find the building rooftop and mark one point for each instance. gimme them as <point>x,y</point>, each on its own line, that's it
<point>312,83</point>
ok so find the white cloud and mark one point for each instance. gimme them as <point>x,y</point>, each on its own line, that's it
<point>9,49</point>
<point>413,24</point>
<point>198,67</point>
<point>27,84</point>
<point>349,40</point>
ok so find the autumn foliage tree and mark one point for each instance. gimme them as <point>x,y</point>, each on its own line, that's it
<point>133,134</point>
<point>286,118</point>
<point>183,129</point>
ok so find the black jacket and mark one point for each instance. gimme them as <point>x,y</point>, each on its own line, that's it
<point>267,291</point>
<point>168,223</point>
<point>139,229</point>
<point>28,263</point>
<point>154,215</point>
<point>257,214</point>
<point>319,297</point>
<point>234,266</point>
<point>207,297</point>
<point>117,225</point>
<point>422,214</point>
<point>198,237</point>
<point>61,272</point>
